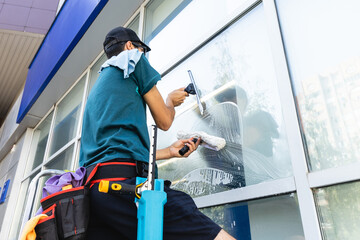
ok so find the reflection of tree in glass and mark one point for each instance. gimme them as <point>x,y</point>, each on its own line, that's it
<point>317,141</point>
<point>232,66</point>
<point>339,211</point>
<point>217,215</point>
<point>224,63</point>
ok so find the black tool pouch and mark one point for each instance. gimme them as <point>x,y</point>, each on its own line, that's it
<point>46,228</point>
<point>68,214</point>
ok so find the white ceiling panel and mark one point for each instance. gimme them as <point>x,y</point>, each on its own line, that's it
<point>17,49</point>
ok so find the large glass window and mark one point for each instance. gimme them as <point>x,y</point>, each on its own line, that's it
<point>134,25</point>
<point>63,161</point>
<point>94,72</point>
<point>171,27</point>
<point>67,117</point>
<point>339,211</point>
<point>235,75</point>
<point>271,219</point>
<point>324,58</point>
<point>38,144</point>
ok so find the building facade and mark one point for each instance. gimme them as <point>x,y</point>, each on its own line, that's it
<point>279,80</point>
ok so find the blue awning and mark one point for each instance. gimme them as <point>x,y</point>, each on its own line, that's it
<point>70,25</point>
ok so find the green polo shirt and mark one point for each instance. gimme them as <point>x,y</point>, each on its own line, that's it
<point>114,123</point>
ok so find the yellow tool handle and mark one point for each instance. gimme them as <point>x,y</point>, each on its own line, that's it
<point>116,187</point>
<point>104,186</point>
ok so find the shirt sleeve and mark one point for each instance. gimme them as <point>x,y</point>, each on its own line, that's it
<point>145,75</point>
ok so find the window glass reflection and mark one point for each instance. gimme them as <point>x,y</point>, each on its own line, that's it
<point>172,27</point>
<point>324,58</point>
<point>38,144</point>
<point>63,161</point>
<point>235,75</point>
<point>94,72</point>
<point>20,208</point>
<point>271,219</point>
<point>67,117</point>
<point>339,211</point>
<point>134,25</point>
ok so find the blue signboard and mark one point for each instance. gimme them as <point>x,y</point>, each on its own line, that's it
<point>66,31</point>
<point>4,191</point>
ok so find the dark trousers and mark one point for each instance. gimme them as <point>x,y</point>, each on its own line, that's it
<point>115,217</point>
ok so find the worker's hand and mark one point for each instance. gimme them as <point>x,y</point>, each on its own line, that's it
<point>176,97</point>
<point>176,146</point>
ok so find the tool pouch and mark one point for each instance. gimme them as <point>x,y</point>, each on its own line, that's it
<point>68,214</point>
<point>46,228</point>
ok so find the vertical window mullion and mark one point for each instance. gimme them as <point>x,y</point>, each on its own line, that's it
<point>73,160</point>
<point>79,127</point>
<point>85,94</point>
<point>306,199</point>
<point>141,22</point>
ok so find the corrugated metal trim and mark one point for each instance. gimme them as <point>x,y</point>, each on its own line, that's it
<point>16,52</point>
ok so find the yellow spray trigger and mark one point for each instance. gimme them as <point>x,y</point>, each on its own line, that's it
<point>104,186</point>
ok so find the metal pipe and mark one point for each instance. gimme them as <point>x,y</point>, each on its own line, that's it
<point>31,192</point>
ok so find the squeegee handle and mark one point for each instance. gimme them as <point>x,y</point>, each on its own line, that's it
<point>185,149</point>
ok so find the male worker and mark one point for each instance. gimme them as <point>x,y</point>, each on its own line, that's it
<point>115,132</point>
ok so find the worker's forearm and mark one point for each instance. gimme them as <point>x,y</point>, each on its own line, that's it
<point>171,106</point>
<point>171,112</point>
<point>162,154</point>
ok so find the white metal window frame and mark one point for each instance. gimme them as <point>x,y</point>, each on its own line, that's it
<point>73,142</point>
<point>299,182</point>
<point>302,182</point>
<point>47,159</point>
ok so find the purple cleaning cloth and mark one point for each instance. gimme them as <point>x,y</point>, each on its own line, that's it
<point>56,183</point>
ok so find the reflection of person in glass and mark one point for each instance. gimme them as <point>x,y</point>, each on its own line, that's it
<point>225,120</point>
<point>260,129</point>
<point>249,138</point>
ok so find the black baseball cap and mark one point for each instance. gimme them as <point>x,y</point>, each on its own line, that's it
<point>121,34</point>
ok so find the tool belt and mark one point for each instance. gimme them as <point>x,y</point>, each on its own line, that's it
<point>117,170</point>
<point>69,210</point>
